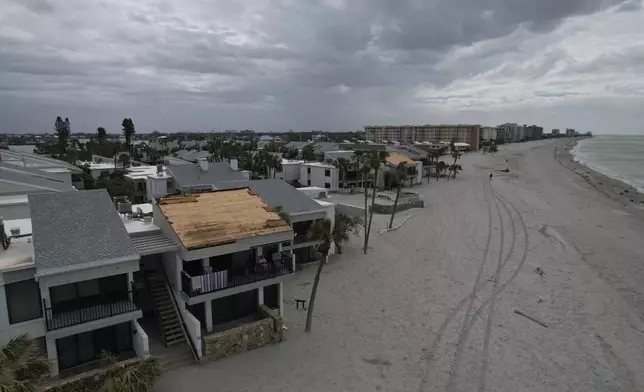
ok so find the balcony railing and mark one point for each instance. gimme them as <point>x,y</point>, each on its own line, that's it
<point>220,280</point>
<point>86,309</point>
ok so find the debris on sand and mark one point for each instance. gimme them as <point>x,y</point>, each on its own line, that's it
<point>539,271</point>
<point>520,313</point>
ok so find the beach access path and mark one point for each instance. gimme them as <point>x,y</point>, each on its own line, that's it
<point>433,305</point>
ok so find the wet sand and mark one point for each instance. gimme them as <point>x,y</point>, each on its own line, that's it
<point>431,307</point>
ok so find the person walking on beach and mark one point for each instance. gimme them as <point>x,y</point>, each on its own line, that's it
<point>490,176</point>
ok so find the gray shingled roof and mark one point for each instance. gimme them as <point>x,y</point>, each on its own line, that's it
<point>16,180</point>
<point>276,192</point>
<point>322,147</point>
<point>39,160</point>
<point>77,230</point>
<point>191,175</point>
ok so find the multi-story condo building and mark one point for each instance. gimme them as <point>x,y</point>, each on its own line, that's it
<point>513,132</point>
<point>534,132</point>
<point>488,134</point>
<point>82,278</point>
<point>407,134</point>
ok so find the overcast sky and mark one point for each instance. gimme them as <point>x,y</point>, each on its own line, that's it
<point>276,65</point>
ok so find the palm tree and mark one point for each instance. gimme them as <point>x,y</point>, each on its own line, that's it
<point>376,159</point>
<point>343,165</point>
<point>456,155</point>
<point>344,226</point>
<point>128,131</point>
<point>21,365</point>
<point>101,135</point>
<point>401,173</point>
<point>363,166</point>
<point>320,231</point>
<point>308,153</point>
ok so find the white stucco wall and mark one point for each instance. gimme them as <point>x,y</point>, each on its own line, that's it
<point>318,177</point>
<point>173,266</point>
<point>419,173</point>
<point>290,172</point>
<point>140,341</point>
<point>17,209</point>
<point>193,327</point>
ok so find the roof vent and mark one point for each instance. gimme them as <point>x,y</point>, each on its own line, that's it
<point>159,168</point>
<point>203,163</point>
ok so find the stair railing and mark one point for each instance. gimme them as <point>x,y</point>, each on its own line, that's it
<point>184,328</point>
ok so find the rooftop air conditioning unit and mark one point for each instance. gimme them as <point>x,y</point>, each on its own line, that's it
<point>124,207</point>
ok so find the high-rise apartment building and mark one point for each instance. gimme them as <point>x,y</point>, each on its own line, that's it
<point>534,132</point>
<point>408,134</point>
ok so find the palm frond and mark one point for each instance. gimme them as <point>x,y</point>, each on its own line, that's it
<point>32,367</point>
<point>139,377</point>
<point>321,231</point>
<point>16,348</point>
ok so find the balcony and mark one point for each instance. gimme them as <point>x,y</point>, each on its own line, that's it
<point>85,309</point>
<point>195,285</point>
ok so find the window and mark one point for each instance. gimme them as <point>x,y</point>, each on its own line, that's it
<point>308,182</point>
<point>86,347</point>
<point>327,185</point>
<point>327,173</point>
<point>308,171</point>
<point>23,301</point>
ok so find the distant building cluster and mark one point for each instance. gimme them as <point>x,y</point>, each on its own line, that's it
<point>475,136</point>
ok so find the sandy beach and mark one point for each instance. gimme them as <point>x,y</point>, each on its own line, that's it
<point>433,305</point>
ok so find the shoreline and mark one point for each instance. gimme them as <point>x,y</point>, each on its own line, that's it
<point>615,189</point>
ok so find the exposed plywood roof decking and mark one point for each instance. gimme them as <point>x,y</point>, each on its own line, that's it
<point>396,159</point>
<point>221,217</point>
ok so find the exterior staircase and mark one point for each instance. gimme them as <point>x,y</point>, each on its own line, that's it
<point>169,321</point>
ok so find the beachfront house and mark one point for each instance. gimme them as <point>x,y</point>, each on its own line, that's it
<point>67,278</point>
<point>231,265</point>
<point>81,278</point>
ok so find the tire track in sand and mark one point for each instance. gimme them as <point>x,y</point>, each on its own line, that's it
<point>430,357</point>
<point>441,330</point>
<point>467,326</point>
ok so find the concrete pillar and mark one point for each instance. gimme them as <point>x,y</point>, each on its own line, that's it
<point>44,294</point>
<point>280,298</point>
<point>208,305</point>
<point>130,280</point>
<point>52,355</point>
<point>260,296</point>
<point>179,267</point>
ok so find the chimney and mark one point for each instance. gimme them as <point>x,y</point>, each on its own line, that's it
<point>203,163</point>
<point>159,168</point>
<point>234,164</point>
